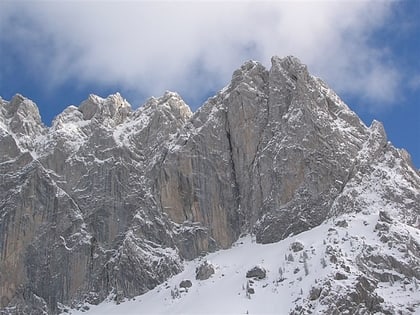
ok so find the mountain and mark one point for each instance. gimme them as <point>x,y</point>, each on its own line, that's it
<point>111,202</point>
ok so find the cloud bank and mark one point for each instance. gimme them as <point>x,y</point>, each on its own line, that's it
<point>193,47</point>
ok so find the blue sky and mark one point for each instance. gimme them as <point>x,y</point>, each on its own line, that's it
<point>57,53</point>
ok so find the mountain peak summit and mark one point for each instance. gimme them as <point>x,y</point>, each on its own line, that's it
<point>172,103</point>
<point>114,108</point>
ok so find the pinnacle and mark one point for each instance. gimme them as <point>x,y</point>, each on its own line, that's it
<point>250,71</point>
<point>24,107</point>
<point>175,102</point>
<point>96,106</point>
<point>170,94</point>
<point>294,68</point>
<point>18,97</point>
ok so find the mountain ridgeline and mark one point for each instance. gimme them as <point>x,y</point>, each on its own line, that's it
<point>111,201</point>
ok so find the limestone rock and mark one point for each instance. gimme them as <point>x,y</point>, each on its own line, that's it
<point>204,271</point>
<point>110,199</point>
<point>384,217</point>
<point>185,284</point>
<point>315,293</point>
<point>340,276</point>
<point>297,246</point>
<point>256,272</point>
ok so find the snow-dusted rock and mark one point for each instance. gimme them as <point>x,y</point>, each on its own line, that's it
<point>204,271</point>
<point>297,246</point>
<point>108,201</point>
<point>256,272</point>
<point>185,284</point>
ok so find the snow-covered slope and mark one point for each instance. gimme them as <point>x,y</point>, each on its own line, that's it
<point>338,260</point>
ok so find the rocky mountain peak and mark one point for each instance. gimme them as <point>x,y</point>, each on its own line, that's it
<point>251,73</point>
<point>293,66</point>
<point>172,104</point>
<point>176,104</point>
<point>112,110</point>
<point>378,131</point>
<point>71,114</point>
<point>24,116</point>
<point>22,120</point>
<point>115,199</point>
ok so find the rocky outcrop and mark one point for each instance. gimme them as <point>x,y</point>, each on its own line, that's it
<point>109,199</point>
<point>204,271</point>
<point>256,272</point>
<point>82,209</point>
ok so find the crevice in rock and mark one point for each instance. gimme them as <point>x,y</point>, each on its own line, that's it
<point>237,190</point>
<point>235,181</point>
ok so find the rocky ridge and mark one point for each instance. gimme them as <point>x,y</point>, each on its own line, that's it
<point>111,200</point>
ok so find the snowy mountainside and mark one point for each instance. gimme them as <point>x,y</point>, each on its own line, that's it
<point>333,268</point>
<point>111,201</point>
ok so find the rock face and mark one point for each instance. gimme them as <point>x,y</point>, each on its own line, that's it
<point>109,199</point>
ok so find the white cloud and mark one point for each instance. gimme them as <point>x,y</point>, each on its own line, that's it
<point>193,47</point>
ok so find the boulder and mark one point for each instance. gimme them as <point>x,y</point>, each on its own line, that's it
<point>185,284</point>
<point>204,271</point>
<point>296,246</point>
<point>256,272</point>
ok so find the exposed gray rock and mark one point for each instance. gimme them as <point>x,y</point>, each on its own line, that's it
<point>384,217</point>
<point>315,293</point>
<point>89,216</point>
<point>359,298</point>
<point>342,223</point>
<point>251,290</point>
<point>340,276</point>
<point>185,284</point>
<point>256,272</point>
<point>297,246</point>
<point>112,110</point>
<point>204,271</point>
<point>21,118</point>
<point>380,226</point>
<point>111,200</point>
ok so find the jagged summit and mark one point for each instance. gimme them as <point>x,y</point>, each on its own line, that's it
<point>292,65</point>
<point>110,200</point>
<point>21,118</point>
<point>114,109</point>
<point>20,111</point>
<point>171,102</point>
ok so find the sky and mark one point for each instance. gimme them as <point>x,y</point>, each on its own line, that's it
<point>58,52</point>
